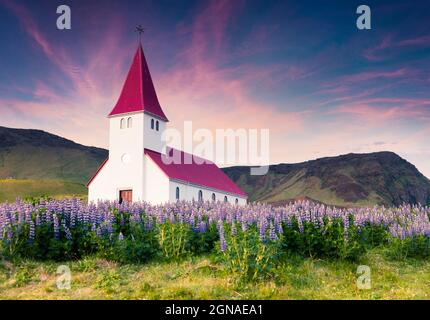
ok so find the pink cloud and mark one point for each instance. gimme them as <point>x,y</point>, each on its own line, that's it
<point>372,112</point>
<point>418,41</point>
<point>376,53</point>
<point>370,75</point>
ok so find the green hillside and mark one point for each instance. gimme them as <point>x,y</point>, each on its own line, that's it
<point>348,180</point>
<point>11,189</point>
<point>35,154</point>
<point>35,163</point>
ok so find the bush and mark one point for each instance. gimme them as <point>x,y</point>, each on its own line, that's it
<point>173,239</point>
<point>245,255</point>
<point>326,240</point>
<point>413,247</point>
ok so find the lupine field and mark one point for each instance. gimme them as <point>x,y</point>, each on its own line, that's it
<point>250,241</point>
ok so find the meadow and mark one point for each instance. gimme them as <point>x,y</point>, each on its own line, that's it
<point>10,189</point>
<point>212,251</point>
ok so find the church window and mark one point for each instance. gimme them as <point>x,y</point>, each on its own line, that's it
<point>152,123</point>
<point>225,199</point>
<point>157,126</point>
<point>237,201</point>
<point>200,195</point>
<point>213,197</point>
<point>177,193</point>
<point>122,123</point>
<point>129,122</point>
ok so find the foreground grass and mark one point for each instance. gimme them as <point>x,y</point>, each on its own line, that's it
<point>200,278</point>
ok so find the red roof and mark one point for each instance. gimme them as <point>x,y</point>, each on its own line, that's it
<point>138,92</point>
<point>205,174</point>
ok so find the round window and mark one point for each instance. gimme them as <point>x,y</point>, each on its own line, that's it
<point>126,158</point>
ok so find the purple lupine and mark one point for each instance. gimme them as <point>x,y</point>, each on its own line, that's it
<point>262,229</point>
<point>272,233</point>
<point>223,242</point>
<point>120,236</point>
<point>404,221</point>
<point>31,231</point>
<point>56,227</point>
<point>68,233</point>
<point>233,229</point>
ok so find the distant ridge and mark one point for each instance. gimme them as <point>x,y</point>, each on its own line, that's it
<point>346,180</point>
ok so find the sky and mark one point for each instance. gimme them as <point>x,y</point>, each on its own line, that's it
<point>299,68</point>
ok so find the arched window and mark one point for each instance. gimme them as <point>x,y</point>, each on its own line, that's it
<point>157,126</point>
<point>129,122</point>
<point>122,123</point>
<point>152,123</point>
<point>213,197</point>
<point>236,201</point>
<point>200,195</point>
<point>225,199</point>
<point>177,193</point>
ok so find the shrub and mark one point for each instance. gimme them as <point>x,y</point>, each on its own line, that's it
<point>413,247</point>
<point>245,255</point>
<point>336,238</point>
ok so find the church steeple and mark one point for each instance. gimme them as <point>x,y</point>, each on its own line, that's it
<point>138,92</point>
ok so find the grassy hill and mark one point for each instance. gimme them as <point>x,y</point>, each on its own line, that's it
<point>35,163</point>
<point>11,189</point>
<point>35,154</point>
<point>347,180</point>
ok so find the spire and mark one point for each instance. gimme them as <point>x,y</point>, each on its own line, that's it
<point>138,92</point>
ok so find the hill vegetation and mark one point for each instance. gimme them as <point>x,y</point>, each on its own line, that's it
<point>347,180</point>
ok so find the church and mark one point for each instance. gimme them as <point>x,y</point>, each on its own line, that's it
<point>138,167</point>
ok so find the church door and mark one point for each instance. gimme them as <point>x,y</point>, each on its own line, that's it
<point>125,195</point>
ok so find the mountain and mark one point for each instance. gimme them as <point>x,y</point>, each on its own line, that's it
<point>29,156</point>
<point>35,154</point>
<point>347,180</point>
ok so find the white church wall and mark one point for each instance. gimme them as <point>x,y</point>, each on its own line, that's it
<point>101,186</point>
<point>153,139</point>
<point>126,154</point>
<point>124,170</point>
<point>157,183</point>
<point>190,192</point>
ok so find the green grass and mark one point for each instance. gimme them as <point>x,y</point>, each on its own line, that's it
<point>10,189</point>
<point>201,278</point>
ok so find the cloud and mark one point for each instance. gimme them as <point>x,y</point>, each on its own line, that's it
<point>377,53</point>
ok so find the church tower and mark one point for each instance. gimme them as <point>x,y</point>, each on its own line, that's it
<point>136,123</point>
<point>138,100</point>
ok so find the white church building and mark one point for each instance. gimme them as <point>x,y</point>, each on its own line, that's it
<point>138,167</point>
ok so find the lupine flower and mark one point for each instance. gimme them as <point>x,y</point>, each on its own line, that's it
<point>31,231</point>
<point>223,242</point>
<point>272,233</point>
<point>233,229</point>
<point>56,227</point>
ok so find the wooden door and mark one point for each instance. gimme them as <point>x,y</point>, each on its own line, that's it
<point>125,195</point>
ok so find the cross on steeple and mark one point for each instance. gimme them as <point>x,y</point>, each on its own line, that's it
<point>140,30</point>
